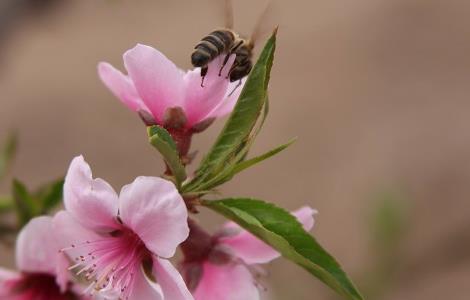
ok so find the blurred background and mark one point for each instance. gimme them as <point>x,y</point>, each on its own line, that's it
<point>376,90</point>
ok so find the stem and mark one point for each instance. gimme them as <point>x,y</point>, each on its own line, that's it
<point>191,203</point>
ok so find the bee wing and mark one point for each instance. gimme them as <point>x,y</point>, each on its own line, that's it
<point>228,14</point>
<point>224,12</point>
<point>266,22</point>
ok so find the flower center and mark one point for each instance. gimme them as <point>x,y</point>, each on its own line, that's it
<point>110,263</point>
<point>37,286</point>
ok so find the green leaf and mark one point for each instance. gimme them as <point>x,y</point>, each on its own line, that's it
<point>27,206</point>
<point>283,232</point>
<point>257,130</point>
<point>242,120</point>
<point>164,143</point>
<point>245,147</point>
<point>162,134</point>
<point>6,204</point>
<point>255,160</point>
<point>7,154</point>
<point>236,168</point>
<point>50,195</point>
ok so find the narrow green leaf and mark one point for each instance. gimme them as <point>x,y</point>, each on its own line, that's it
<point>241,154</point>
<point>283,232</point>
<point>26,206</point>
<point>257,130</point>
<point>7,154</point>
<point>6,204</point>
<point>50,195</point>
<point>163,142</point>
<point>253,161</point>
<point>236,168</point>
<point>242,119</point>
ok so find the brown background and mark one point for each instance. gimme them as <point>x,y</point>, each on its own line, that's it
<point>376,91</point>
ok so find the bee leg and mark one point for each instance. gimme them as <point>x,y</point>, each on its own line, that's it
<point>238,85</point>
<point>235,64</point>
<point>203,74</point>
<point>232,51</point>
<point>202,80</point>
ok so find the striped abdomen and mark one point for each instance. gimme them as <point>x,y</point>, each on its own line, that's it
<point>211,46</point>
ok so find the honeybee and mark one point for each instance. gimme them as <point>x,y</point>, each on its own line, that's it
<point>227,41</point>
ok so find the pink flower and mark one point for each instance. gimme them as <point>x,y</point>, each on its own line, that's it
<point>43,274</point>
<point>120,243</point>
<point>155,86</point>
<point>228,268</point>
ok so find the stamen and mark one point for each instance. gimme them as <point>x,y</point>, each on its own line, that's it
<point>109,263</point>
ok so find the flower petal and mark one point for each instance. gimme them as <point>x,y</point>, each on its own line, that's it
<point>7,280</point>
<point>253,250</point>
<point>144,289</point>
<point>93,202</point>
<point>71,232</point>
<point>228,282</point>
<point>200,101</point>
<point>170,280</point>
<point>230,99</point>
<point>305,216</point>
<point>250,249</point>
<point>121,86</point>
<point>154,210</point>
<point>157,80</point>
<point>62,273</point>
<point>37,250</point>
<point>6,274</point>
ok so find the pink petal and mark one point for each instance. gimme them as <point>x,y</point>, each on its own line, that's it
<point>121,86</point>
<point>6,274</point>
<point>305,216</point>
<point>144,289</point>
<point>154,210</point>
<point>93,202</point>
<point>200,101</point>
<point>78,291</point>
<point>69,231</point>
<point>7,277</point>
<point>157,80</point>
<point>170,280</point>
<point>227,282</point>
<point>226,106</point>
<point>249,248</point>
<point>37,250</point>
<point>253,250</point>
<point>62,273</point>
